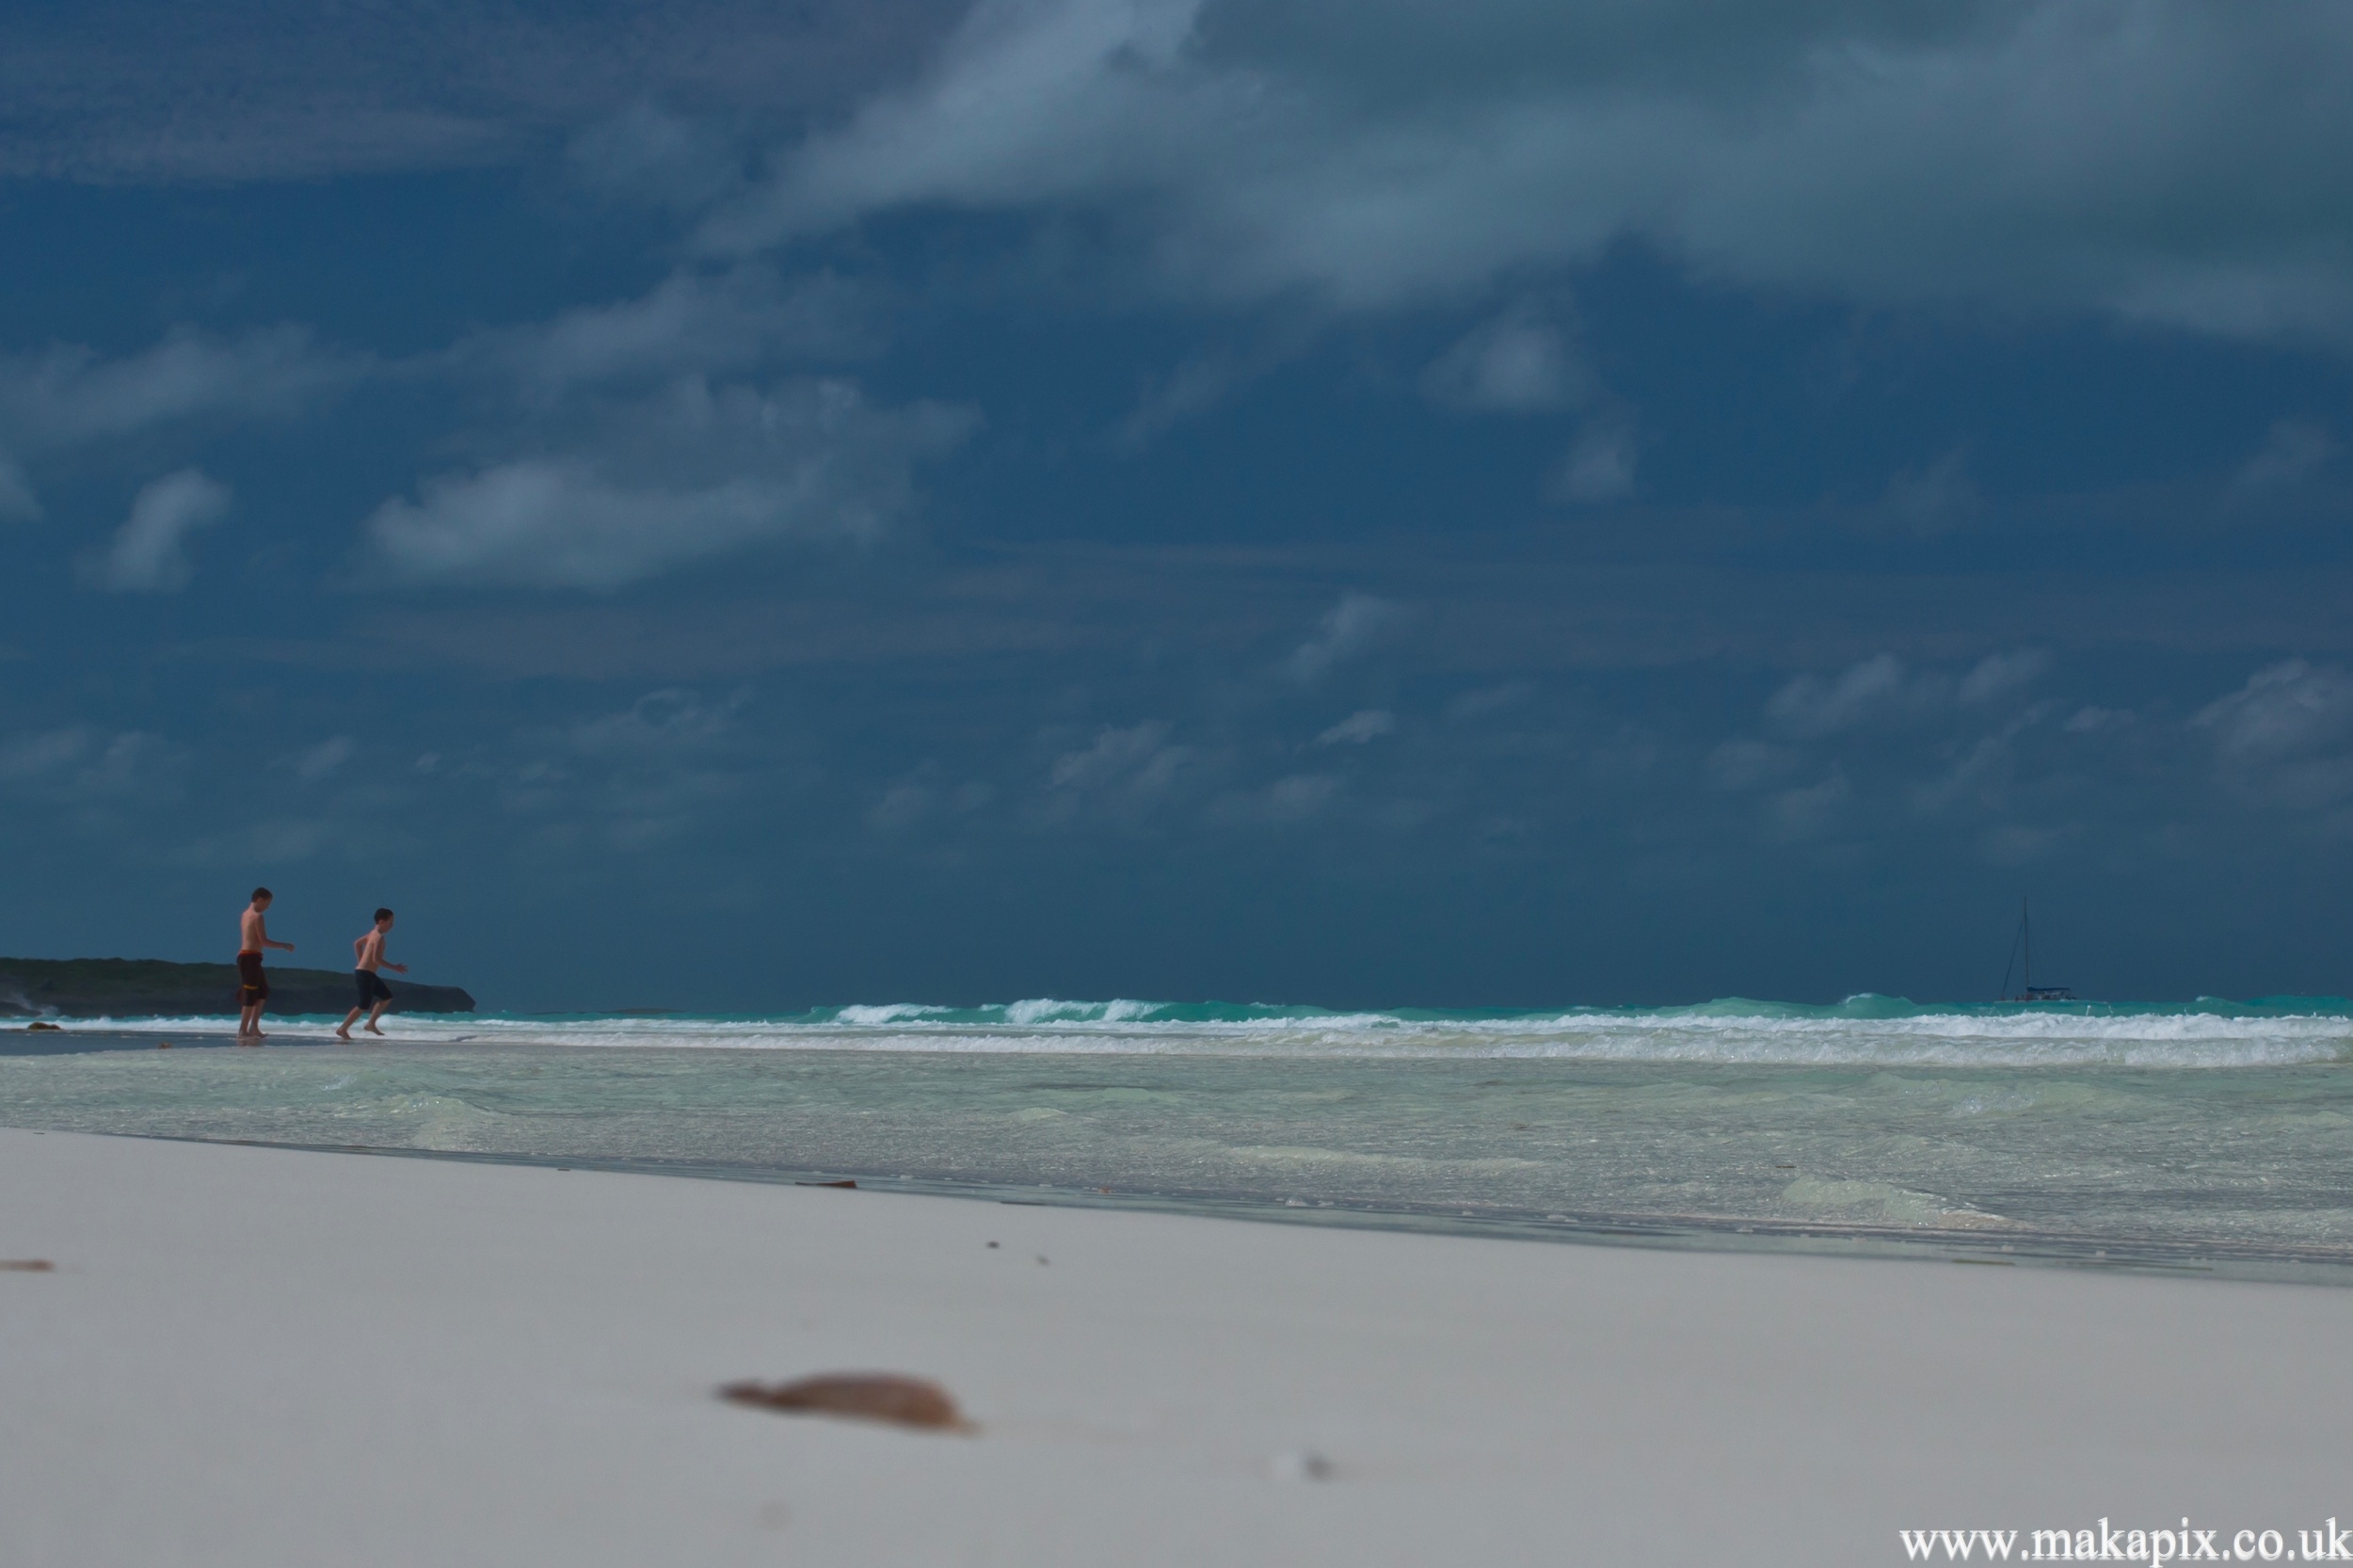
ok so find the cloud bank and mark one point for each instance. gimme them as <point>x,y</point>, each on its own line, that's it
<point>2018,153</point>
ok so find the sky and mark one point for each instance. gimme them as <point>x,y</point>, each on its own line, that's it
<point>733,505</point>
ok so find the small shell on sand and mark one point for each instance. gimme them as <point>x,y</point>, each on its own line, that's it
<point>867,1395</point>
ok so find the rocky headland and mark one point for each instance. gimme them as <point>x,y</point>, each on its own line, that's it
<point>149,987</point>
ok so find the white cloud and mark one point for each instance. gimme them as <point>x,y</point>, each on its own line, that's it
<point>150,551</point>
<point>1518,363</point>
<point>1999,674</point>
<point>1360,728</point>
<point>693,473</point>
<point>18,503</point>
<point>1813,810</point>
<point>558,525</point>
<point>1809,706</point>
<point>27,757</point>
<point>672,720</point>
<point>1295,798</point>
<point>613,447</point>
<point>1935,500</point>
<point>135,764</point>
<point>901,807</point>
<point>2092,721</point>
<point>1136,760</point>
<point>653,773</point>
<point>2293,452</point>
<point>1488,699</point>
<point>2012,844</point>
<point>925,795</point>
<point>77,764</point>
<point>691,322</point>
<point>1127,776</point>
<point>1102,82</point>
<point>1357,624</point>
<point>2288,707</point>
<point>2033,152</point>
<point>2287,735</point>
<point>1199,383</point>
<point>71,395</point>
<point>1748,764</point>
<point>1882,687</point>
<point>1599,466</point>
<point>646,154</point>
<point>1978,776</point>
<point>314,765</point>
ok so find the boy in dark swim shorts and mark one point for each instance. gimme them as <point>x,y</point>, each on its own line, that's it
<point>367,955</point>
<point>253,985</point>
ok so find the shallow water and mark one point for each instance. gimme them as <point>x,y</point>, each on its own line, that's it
<point>2211,1135</point>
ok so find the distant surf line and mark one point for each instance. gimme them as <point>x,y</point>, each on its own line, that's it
<point>1860,1031</point>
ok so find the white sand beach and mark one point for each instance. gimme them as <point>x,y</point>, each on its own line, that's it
<point>264,1357</point>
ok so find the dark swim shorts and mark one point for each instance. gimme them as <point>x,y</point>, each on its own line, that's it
<point>255,984</point>
<point>372,988</point>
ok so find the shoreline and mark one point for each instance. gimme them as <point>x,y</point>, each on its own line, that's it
<point>2231,1173</point>
<point>266,1357</point>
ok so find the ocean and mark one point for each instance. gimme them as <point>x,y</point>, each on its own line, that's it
<point>2204,1136</point>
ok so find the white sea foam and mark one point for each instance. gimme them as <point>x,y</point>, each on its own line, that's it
<point>889,1012</point>
<point>1862,1032</point>
<point>1955,1039</point>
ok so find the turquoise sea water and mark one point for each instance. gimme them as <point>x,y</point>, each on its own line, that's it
<point>2206,1135</point>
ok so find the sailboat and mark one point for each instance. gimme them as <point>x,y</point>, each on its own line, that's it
<point>2029,990</point>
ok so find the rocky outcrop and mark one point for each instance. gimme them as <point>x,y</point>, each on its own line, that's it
<point>149,988</point>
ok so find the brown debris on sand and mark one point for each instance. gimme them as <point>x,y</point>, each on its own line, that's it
<point>849,1184</point>
<point>26,1266</point>
<point>865,1395</point>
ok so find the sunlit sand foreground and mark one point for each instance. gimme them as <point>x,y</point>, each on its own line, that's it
<point>265,1357</point>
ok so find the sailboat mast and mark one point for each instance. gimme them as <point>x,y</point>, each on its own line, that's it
<point>2026,931</point>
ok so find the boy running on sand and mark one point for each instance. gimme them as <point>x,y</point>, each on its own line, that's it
<point>367,955</point>
<point>253,985</point>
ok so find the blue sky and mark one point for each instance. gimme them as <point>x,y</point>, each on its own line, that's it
<point>742,505</point>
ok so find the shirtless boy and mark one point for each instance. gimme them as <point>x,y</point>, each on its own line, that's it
<point>253,986</point>
<point>367,955</point>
